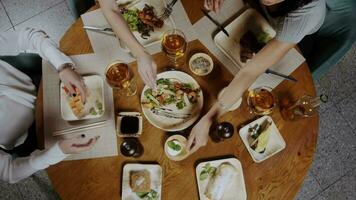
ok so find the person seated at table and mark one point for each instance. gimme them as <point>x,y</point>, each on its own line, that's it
<point>293,20</point>
<point>17,103</point>
<point>147,67</point>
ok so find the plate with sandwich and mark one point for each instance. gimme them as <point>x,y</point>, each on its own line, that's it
<point>262,139</point>
<point>141,182</point>
<point>221,180</point>
<point>72,107</point>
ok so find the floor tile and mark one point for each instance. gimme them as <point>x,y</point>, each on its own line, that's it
<point>319,197</point>
<point>310,189</point>
<point>336,148</point>
<point>340,81</point>
<point>344,189</point>
<point>21,10</point>
<point>55,21</point>
<point>9,191</point>
<point>347,108</point>
<point>37,186</point>
<point>4,20</point>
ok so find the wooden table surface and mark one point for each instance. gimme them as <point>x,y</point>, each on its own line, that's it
<point>279,177</point>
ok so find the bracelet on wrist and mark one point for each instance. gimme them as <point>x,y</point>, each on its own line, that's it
<point>66,65</point>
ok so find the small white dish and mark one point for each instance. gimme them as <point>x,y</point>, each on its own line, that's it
<point>275,143</point>
<point>195,70</point>
<point>128,114</point>
<point>237,189</point>
<point>95,87</point>
<point>180,155</point>
<point>155,175</point>
<point>235,105</point>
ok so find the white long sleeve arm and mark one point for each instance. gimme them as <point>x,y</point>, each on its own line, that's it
<point>14,170</point>
<point>32,40</point>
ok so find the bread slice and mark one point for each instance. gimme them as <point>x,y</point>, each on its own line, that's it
<point>140,181</point>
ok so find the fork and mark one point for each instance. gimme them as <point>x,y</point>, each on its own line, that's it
<point>167,11</point>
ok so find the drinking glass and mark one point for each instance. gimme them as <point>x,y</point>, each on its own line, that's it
<point>120,77</point>
<point>174,45</point>
<point>261,101</point>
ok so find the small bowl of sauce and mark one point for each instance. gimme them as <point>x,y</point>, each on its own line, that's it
<point>129,124</point>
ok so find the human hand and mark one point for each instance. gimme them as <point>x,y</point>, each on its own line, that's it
<point>77,144</point>
<point>147,69</point>
<point>199,135</point>
<point>71,79</point>
<point>214,5</point>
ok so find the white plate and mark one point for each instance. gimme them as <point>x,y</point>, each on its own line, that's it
<point>95,86</point>
<point>170,124</point>
<point>237,190</point>
<point>249,20</point>
<point>275,143</point>
<point>156,179</point>
<point>156,35</point>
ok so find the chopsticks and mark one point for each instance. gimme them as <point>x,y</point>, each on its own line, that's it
<point>221,27</point>
<point>289,78</point>
<point>79,128</point>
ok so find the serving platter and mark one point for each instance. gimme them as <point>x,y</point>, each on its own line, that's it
<point>248,20</point>
<point>156,35</point>
<point>236,191</point>
<point>275,143</point>
<point>155,171</point>
<point>95,87</point>
<point>172,124</point>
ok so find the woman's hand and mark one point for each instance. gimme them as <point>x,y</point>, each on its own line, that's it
<point>147,69</point>
<point>214,5</point>
<point>77,144</point>
<point>71,79</point>
<point>199,135</point>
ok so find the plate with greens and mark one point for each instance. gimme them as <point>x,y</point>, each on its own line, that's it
<point>72,108</point>
<point>141,182</point>
<point>142,17</point>
<point>221,179</point>
<point>175,104</point>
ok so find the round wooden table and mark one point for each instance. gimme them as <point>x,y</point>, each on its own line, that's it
<point>279,177</point>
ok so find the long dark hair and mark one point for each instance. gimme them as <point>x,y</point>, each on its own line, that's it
<point>284,7</point>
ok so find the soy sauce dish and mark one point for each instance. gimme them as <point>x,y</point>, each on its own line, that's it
<point>129,124</point>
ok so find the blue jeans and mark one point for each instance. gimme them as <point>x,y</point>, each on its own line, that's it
<point>335,37</point>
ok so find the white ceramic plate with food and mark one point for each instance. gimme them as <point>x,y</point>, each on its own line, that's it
<point>248,20</point>
<point>93,108</point>
<point>232,178</point>
<point>155,179</point>
<point>156,35</point>
<point>275,142</point>
<point>176,104</point>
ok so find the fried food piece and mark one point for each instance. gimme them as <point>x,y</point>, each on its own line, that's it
<point>140,181</point>
<point>148,17</point>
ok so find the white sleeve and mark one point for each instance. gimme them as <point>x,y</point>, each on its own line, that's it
<point>32,40</point>
<point>14,170</point>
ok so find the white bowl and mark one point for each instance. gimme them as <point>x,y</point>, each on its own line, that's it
<point>183,154</point>
<point>206,56</point>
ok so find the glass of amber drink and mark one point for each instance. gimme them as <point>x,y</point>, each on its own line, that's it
<point>120,77</point>
<point>261,101</point>
<point>174,45</point>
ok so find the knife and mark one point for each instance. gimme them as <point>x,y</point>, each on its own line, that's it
<point>215,22</point>
<point>290,78</point>
<point>104,30</point>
